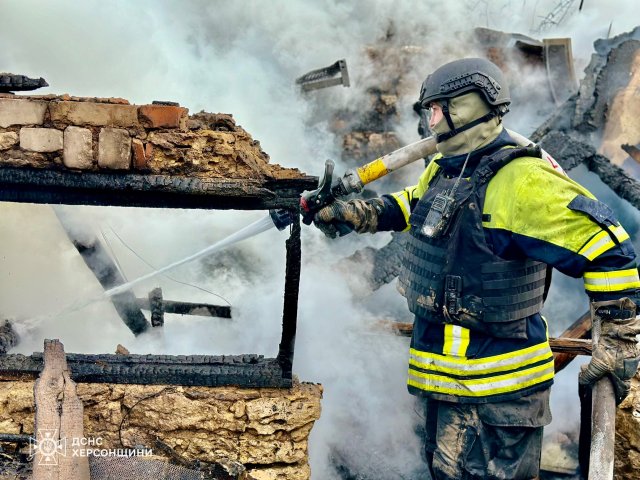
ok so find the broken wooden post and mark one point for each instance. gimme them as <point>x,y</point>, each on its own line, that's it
<point>59,421</point>
<point>581,328</point>
<point>156,307</point>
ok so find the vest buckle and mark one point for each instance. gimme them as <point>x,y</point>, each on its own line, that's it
<point>452,294</point>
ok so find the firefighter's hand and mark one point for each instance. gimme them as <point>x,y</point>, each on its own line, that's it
<point>361,215</point>
<point>617,353</point>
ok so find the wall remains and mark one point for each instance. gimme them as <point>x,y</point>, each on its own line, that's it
<point>109,134</point>
<point>265,429</point>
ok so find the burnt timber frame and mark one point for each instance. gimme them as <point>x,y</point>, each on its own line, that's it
<point>30,185</point>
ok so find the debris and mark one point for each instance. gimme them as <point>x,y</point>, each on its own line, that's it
<point>336,74</point>
<point>121,350</point>
<point>10,83</point>
<point>106,271</point>
<point>158,307</point>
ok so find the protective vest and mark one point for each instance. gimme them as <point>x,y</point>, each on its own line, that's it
<point>455,278</point>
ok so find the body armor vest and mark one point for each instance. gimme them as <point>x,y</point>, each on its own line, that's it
<point>456,278</point>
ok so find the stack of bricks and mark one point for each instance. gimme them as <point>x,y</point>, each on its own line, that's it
<point>111,135</point>
<point>82,133</point>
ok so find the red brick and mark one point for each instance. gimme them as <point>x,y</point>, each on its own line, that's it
<point>142,153</point>
<point>139,158</point>
<point>162,116</point>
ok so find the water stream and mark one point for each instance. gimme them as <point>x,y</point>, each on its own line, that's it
<point>249,231</point>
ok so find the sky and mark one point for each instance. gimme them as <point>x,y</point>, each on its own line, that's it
<point>242,58</point>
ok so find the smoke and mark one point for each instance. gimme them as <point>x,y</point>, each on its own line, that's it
<point>242,58</point>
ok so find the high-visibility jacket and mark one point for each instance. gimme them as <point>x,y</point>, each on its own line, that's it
<point>531,212</point>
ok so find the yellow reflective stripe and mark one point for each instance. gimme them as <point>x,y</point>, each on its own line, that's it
<point>611,281</point>
<point>602,242</point>
<point>444,364</point>
<point>620,233</point>
<point>480,361</point>
<point>480,387</point>
<point>599,244</point>
<point>456,340</point>
<point>372,171</point>
<point>403,200</point>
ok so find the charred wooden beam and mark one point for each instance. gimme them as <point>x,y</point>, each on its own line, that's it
<point>185,308</point>
<point>291,291</point>
<point>32,185</point>
<point>571,152</point>
<point>106,271</point>
<point>189,370</point>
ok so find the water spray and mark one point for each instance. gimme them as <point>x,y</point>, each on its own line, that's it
<point>249,231</point>
<point>353,181</point>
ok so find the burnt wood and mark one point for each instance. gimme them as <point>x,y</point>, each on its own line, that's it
<point>291,291</point>
<point>31,185</point>
<point>189,308</point>
<point>106,272</point>
<point>189,370</point>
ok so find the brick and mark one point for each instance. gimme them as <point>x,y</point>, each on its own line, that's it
<point>163,116</point>
<point>21,112</point>
<point>142,154</point>
<point>41,139</point>
<point>8,140</point>
<point>78,148</point>
<point>114,149</point>
<point>96,114</point>
<point>139,158</point>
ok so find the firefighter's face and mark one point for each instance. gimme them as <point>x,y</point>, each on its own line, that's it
<point>435,109</point>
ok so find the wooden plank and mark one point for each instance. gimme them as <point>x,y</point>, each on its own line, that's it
<point>581,328</point>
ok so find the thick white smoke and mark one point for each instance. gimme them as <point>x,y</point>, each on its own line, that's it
<point>242,58</point>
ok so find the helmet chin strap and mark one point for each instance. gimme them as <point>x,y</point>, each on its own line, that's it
<point>453,131</point>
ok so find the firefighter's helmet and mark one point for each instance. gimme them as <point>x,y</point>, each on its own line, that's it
<point>461,76</point>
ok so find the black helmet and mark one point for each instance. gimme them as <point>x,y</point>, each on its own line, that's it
<point>466,75</point>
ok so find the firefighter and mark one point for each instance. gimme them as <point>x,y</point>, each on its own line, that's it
<point>486,222</point>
